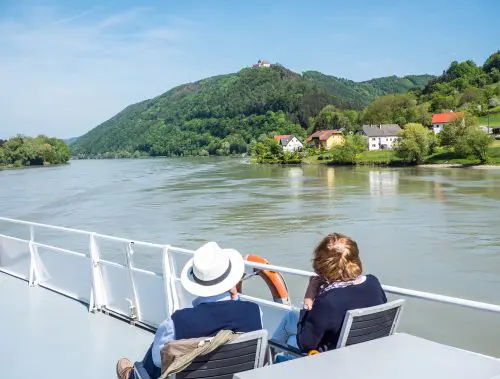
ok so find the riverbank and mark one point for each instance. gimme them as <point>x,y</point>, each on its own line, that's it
<point>442,158</point>
<point>12,167</point>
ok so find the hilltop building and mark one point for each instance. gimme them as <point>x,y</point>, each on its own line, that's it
<point>262,63</point>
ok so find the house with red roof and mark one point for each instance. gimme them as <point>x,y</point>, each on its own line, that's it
<point>289,142</point>
<point>326,139</point>
<point>439,120</point>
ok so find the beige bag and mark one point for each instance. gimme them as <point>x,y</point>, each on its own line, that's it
<point>177,355</point>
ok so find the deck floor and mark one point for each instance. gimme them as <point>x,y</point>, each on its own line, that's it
<point>44,334</point>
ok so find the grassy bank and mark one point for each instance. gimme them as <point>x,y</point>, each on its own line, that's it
<point>494,120</point>
<point>389,158</point>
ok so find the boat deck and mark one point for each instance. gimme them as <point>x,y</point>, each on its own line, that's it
<point>44,334</point>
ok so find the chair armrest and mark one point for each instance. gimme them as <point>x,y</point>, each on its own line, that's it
<point>285,347</point>
<point>140,372</point>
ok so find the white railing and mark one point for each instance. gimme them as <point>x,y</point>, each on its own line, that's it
<point>137,294</point>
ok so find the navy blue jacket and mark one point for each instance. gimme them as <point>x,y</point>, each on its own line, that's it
<point>207,319</point>
<point>320,327</point>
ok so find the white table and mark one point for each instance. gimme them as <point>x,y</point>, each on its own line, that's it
<point>400,356</point>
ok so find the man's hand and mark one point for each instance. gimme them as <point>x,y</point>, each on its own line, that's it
<point>234,293</point>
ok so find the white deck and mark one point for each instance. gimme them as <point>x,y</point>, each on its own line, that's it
<point>44,334</point>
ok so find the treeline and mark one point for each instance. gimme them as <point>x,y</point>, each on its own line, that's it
<point>22,151</point>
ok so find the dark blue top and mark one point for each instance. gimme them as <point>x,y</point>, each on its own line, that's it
<point>320,327</point>
<point>207,319</point>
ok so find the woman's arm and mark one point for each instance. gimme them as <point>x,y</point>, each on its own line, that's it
<point>312,326</point>
<point>311,291</point>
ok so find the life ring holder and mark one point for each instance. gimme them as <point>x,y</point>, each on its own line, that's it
<point>274,280</point>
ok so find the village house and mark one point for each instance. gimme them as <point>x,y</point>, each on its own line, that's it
<point>326,139</point>
<point>381,136</point>
<point>439,120</point>
<point>289,142</point>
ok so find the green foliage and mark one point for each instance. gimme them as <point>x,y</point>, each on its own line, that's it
<point>268,150</point>
<point>331,118</point>
<point>357,95</point>
<point>400,109</point>
<point>21,151</point>
<point>221,115</point>
<point>493,62</point>
<point>348,152</point>
<point>466,139</point>
<point>415,143</point>
<point>479,143</point>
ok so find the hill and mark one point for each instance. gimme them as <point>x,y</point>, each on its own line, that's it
<point>223,114</point>
<point>357,95</point>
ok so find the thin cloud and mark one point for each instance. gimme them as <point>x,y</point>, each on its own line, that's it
<point>63,76</point>
<point>77,16</point>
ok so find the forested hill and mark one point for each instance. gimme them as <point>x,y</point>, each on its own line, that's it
<point>357,95</point>
<point>223,114</point>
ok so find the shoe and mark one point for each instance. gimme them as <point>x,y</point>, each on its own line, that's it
<point>123,368</point>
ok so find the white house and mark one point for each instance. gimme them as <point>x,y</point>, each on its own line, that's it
<point>439,120</point>
<point>289,142</point>
<point>381,136</point>
<point>262,63</point>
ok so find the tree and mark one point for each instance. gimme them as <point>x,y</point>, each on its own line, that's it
<point>27,151</point>
<point>492,62</point>
<point>415,143</point>
<point>399,109</point>
<point>331,118</point>
<point>347,152</point>
<point>479,142</point>
<point>465,138</point>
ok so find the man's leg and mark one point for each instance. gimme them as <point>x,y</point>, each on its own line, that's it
<point>125,368</point>
<point>153,371</point>
<point>287,328</point>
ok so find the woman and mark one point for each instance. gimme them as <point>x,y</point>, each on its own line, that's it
<point>340,286</point>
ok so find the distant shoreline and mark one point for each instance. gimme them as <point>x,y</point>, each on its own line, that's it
<point>34,166</point>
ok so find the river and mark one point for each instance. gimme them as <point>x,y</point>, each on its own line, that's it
<point>428,229</point>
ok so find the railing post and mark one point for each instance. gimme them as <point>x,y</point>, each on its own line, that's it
<point>98,295</point>
<point>34,273</point>
<point>135,308</point>
<point>172,302</point>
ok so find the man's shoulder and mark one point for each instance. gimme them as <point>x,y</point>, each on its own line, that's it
<point>242,304</point>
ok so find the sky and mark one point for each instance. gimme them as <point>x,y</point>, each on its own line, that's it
<point>67,66</point>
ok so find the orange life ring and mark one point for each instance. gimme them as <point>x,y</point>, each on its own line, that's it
<point>274,280</point>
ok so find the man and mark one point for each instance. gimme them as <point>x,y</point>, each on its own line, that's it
<point>212,275</point>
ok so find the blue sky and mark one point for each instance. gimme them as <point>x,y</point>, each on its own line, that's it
<point>67,66</point>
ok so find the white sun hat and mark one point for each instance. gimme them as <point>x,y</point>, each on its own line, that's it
<point>212,271</point>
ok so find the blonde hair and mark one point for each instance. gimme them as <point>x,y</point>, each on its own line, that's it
<point>336,258</point>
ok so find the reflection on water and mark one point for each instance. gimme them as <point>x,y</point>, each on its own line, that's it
<point>428,229</point>
<point>383,183</point>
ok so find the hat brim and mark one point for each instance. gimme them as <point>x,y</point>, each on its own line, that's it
<point>234,276</point>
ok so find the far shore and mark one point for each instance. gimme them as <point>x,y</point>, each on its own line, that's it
<point>460,165</point>
<point>34,166</point>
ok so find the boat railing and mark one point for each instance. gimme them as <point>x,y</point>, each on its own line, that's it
<point>100,271</point>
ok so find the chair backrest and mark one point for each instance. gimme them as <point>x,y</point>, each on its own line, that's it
<point>366,324</point>
<point>246,352</point>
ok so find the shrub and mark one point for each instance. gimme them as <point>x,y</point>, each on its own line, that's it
<point>415,144</point>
